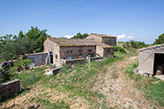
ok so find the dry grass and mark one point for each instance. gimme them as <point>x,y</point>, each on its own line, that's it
<point>119,89</point>
<point>37,97</point>
<point>107,87</point>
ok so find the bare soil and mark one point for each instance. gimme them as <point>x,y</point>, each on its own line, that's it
<point>119,88</point>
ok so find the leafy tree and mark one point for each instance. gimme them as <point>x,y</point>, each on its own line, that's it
<point>80,36</point>
<point>12,49</point>
<point>38,37</point>
<point>160,39</point>
<point>21,35</point>
<point>12,46</point>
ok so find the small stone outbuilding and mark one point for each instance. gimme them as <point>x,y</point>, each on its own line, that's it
<point>151,60</point>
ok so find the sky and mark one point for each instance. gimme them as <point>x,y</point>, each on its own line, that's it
<point>140,20</point>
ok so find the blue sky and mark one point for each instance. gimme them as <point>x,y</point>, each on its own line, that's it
<point>140,20</point>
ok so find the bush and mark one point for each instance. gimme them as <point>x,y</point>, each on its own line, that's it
<point>120,49</point>
<point>22,63</point>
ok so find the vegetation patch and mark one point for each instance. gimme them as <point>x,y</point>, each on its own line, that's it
<point>80,80</point>
<point>152,87</point>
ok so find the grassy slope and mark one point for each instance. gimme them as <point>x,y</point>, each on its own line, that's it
<point>71,88</point>
<point>152,87</point>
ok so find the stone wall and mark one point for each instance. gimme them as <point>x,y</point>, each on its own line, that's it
<point>50,46</point>
<point>105,52</point>
<point>76,52</point>
<point>108,52</point>
<point>10,88</point>
<point>109,40</point>
<point>94,58</point>
<point>94,37</point>
<point>74,61</point>
<point>99,51</point>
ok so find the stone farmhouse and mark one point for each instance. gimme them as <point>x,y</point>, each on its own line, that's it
<point>60,49</point>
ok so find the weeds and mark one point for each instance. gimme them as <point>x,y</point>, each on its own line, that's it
<point>79,80</point>
<point>152,87</point>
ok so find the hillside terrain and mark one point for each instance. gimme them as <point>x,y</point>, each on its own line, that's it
<point>100,85</point>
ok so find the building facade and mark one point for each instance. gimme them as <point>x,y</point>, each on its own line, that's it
<point>103,38</point>
<point>67,49</point>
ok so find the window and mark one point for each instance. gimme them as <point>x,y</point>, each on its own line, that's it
<point>110,43</point>
<point>69,51</point>
<point>80,51</point>
<point>89,50</point>
<point>107,50</point>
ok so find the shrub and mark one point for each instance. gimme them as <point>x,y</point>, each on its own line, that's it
<point>22,62</point>
<point>120,49</point>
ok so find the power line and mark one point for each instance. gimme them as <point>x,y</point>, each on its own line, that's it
<point>2,32</point>
<point>43,12</point>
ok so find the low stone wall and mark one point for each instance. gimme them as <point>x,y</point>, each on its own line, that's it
<point>56,70</point>
<point>75,61</point>
<point>10,88</point>
<point>94,58</point>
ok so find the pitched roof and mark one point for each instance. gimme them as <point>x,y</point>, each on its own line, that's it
<point>78,42</point>
<point>102,35</point>
<point>150,47</point>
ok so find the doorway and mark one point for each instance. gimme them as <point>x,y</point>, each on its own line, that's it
<point>158,61</point>
<point>51,57</point>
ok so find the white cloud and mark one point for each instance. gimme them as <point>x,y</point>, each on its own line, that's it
<point>121,36</point>
<point>68,36</point>
<point>130,37</point>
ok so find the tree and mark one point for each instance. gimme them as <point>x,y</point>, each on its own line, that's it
<point>12,49</point>
<point>80,36</point>
<point>160,39</point>
<point>38,37</point>
<point>21,35</point>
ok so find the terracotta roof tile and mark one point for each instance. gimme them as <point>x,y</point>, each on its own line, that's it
<point>78,42</point>
<point>102,35</point>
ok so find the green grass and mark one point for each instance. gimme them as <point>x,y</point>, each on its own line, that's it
<point>152,87</point>
<point>80,80</point>
<point>55,105</point>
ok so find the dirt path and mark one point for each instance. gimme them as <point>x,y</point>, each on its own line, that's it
<point>119,89</point>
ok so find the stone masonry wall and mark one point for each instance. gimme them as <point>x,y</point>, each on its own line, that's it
<point>48,45</point>
<point>94,58</point>
<point>109,41</point>
<point>108,52</point>
<point>99,51</point>
<point>10,88</point>
<point>75,61</point>
<point>76,52</point>
<point>93,37</point>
